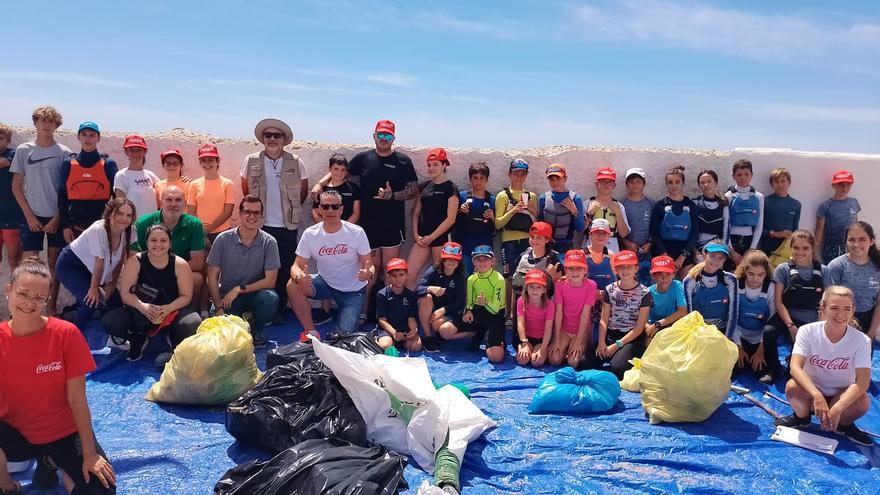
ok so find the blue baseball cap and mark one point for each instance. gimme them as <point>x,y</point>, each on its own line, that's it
<point>717,248</point>
<point>483,250</point>
<point>518,164</point>
<point>89,125</point>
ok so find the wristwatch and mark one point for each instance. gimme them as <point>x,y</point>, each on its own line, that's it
<point>242,287</point>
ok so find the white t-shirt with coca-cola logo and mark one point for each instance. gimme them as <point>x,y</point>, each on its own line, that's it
<point>336,254</point>
<point>832,367</point>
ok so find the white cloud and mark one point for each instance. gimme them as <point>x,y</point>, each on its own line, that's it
<point>64,77</point>
<point>819,113</point>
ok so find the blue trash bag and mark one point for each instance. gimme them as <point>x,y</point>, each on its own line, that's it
<point>576,392</point>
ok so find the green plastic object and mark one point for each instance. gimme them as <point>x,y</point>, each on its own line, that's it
<point>466,391</point>
<point>392,351</point>
<point>446,467</point>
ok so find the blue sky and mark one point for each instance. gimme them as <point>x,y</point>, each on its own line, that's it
<point>788,74</point>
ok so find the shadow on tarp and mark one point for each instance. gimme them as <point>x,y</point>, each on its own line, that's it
<point>182,449</point>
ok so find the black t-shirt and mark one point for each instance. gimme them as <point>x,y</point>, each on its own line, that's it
<point>397,308</point>
<point>435,201</point>
<point>349,192</point>
<point>375,171</point>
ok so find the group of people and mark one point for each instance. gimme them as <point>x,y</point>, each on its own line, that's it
<point>157,255</point>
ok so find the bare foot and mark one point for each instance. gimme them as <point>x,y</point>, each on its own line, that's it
<point>8,485</point>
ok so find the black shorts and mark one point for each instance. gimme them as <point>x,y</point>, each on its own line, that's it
<point>66,453</point>
<point>485,322</point>
<point>510,253</point>
<point>533,341</point>
<point>443,239</point>
<point>384,236</point>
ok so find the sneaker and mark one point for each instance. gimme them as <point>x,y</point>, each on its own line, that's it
<point>136,351</point>
<point>793,421</point>
<point>855,435</point>
<point>204,315</point>
<point>248,316</point>
<point>430,344</point>
<point>449,490</point>
<point>117,343</point>
<point>319,316</point>
<point>259,339</point>
<point>163,358</point>
<point>45,476</point>
<point>304,336</point>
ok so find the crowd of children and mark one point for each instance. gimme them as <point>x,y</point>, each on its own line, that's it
<point>737,257</point>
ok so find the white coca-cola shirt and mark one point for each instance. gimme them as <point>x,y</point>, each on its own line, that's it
<point>336,254</point>
<point>832,367</point>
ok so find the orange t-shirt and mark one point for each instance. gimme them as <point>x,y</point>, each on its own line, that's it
<point>162,184</point>
<point>208,197</point>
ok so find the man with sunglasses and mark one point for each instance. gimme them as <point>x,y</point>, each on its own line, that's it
<point>242,268</point>
<point>341,251</point>
<point>388,179</point>
<point>280,180</point>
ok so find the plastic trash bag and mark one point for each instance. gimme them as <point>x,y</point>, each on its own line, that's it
<point>317,467</point>
<point>401,407</point>
<point>685,372</point>
<point>214,366</point>
<point>295,402</point>
<point>631,376</point>
<point>576,392</point>
<point>361,343</point>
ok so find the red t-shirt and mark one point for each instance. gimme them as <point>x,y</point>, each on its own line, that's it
<point>33,376</point>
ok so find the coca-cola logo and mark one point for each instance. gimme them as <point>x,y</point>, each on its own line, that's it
<point>336,250</point>
<point>48,368</point>
<point>830,364</point>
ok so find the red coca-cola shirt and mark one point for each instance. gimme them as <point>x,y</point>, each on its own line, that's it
<point>33,373</point>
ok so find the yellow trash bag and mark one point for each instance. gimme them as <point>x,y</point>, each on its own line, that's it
<point>685,371</point>
<point>632,376</point>
<point>214,366</point>
<point>781,254</point>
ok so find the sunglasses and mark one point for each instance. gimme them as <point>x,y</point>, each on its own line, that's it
<point>273,135</point>
<point>251,213</point>
<point>456,250</point>
<point>330,207</point>
<point>385,136</point>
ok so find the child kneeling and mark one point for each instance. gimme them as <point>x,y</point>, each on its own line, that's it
<point>484,309</point>
<point>397,309</point>
<point>574,299</point>
<point>534,322</point>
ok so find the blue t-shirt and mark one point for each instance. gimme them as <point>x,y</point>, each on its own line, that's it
<point>838,214</point>
<point>10,213</point>
<point>779,214</point>
<point>666,303</point>
<point>638,216</point>
<point>397,309</point>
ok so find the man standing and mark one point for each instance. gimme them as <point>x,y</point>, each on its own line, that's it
<point>36,180</point>
<point>280,180</point>
<point>187,235</point>
<point>388,179</point>
<point>342,254</point>
<point>242,269</point>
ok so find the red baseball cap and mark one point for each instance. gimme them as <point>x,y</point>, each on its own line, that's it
<point>435,155</point>
<point>606,173</point>
<point>396,264</point>
<point>542,229</point>
<point>557,169</point>
<point>169,152</point>
<point>385,126</point>
<point>451,251</point>
<point>575,258</point>
<point>536,276</point>
<point>208,150</point>
<point>662,264</point>
<point>134,141</point>
<point>624,258</point>
<point>842,177</point>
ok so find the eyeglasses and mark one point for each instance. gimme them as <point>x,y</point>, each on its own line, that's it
<point>273,135</point>
<point>24,296</point>
<point>330,207</point>
<point>385,136</point>
<point>456,250</point>
<point>252,213</point>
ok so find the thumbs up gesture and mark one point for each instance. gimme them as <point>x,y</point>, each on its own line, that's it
<point>481,299</point>
<point>385,192</point>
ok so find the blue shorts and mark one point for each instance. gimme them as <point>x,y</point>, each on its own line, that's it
<point>33,241</point>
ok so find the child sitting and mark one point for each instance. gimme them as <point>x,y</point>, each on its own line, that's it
<point>667,295</point>
<point>397,310</point>
<point>442,291</point>
<point>537,255</point>
<point>535,316</point>
<point>712,291</point>
<point>799,286</point>
<point>754,335</point>
<point>485,305</point>
<point>625,306</point>
<point>574,299</point>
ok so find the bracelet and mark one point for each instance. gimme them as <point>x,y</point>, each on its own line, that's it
<point>791,325</point>
<point>619,343</point>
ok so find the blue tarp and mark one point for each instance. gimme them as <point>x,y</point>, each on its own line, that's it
<point>161,449</point>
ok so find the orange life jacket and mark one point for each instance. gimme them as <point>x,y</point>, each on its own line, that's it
<point>87,183</point>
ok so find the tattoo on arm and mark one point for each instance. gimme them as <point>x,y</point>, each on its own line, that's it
<point>408,192</point>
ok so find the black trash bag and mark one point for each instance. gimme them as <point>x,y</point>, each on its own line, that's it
<point>318,467</point>
<point>361,343</point>
<point>295,402</point>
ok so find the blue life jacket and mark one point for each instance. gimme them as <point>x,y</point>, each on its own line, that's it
<point>676,226</point>
<point>753,315</point>
<point>600,273</point>
<point>712,303</point>
<point>744,212</point>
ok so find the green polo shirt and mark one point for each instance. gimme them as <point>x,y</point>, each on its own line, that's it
<point>188,235</point>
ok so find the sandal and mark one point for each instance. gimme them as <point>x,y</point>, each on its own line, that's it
<point>17,488</point>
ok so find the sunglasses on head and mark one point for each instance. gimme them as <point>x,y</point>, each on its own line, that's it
<point>330,207</point>
<point>385,136</point>
<point>273,135</point>
<point>456,250</point>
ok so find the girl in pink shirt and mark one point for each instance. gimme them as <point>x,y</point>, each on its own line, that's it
<point>574,299</point>
<point>534,321</point>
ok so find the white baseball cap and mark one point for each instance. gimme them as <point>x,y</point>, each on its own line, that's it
<point>635,171</point>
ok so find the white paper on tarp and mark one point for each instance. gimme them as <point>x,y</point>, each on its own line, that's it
<point>804,439</point>
<point>368,380</point>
